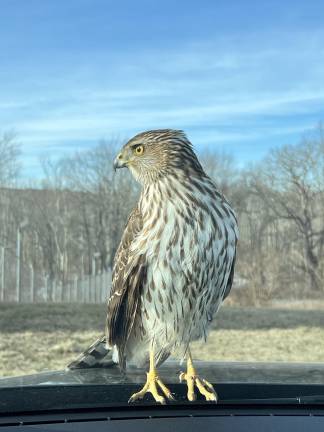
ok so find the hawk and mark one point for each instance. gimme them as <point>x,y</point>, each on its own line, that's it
<point>175,262</point>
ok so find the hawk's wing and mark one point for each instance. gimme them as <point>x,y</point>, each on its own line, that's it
<point>129,274</point>
<point>230,279</point>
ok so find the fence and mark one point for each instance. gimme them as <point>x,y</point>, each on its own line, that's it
<point>21,283</point>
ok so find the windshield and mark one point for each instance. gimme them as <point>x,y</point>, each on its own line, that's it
<point>222,258</point>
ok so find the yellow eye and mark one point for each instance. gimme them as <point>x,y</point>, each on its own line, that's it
<point>139,150</point>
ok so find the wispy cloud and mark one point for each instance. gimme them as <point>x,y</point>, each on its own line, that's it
<point>262,86</point>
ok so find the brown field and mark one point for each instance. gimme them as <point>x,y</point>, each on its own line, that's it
<point>38,337</point>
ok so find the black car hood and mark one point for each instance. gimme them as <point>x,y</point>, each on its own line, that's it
<point>216,372</point>
<point>106,387</point>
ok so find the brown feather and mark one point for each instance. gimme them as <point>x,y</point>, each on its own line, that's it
<point>129,275</point>
<point>230,279</point>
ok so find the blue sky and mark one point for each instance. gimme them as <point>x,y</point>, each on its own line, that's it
<point>239,76</point>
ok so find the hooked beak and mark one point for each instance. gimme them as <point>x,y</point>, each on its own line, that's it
<point>118,162</point>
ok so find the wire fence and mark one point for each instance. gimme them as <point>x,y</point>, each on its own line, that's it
<point>21,283</point>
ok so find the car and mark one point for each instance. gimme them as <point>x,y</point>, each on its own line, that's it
<point>252,397</point>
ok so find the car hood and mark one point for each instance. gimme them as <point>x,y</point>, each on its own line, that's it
<point>217,372</point>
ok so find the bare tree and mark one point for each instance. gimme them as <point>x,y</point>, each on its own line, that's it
<point>76,214</point>
<point>103,200</point>
<point>221,167</point>
<point>290,183</point>
<point>9,163</point>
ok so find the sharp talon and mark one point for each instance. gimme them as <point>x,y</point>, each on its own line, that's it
<point>204,387</point>
<point>152,385</point>
<point>207,384</point>
<point>161,400</point>
<point>192,397</point>
<point>136,396</point>
<point>170,396</point>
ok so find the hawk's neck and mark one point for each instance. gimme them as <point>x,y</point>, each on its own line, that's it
<point>178,190</point>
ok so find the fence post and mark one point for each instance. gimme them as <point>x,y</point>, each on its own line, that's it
<point>69,289</point>
<point>94,288</point>
<point>32,283</point>
<point>18,266</point>
<point>2,274</point>
<point>61,290</point>
<point>46,288</point>
<point>104,290</point>
<point>76,288</point>
<point>100,287</point>
<point>55,293</point>
<point>83,289</point>
<point>102,278</point>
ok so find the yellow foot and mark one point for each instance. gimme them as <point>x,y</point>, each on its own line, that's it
<point>204,387</point>
<point>153,383</point>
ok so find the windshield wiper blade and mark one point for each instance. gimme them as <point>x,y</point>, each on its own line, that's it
<point>297,400</point>
<point>312,399</point>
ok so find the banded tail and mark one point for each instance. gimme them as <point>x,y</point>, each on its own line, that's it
<point>96,356</point>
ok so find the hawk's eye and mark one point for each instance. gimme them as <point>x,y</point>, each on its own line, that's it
<point>139,150</point>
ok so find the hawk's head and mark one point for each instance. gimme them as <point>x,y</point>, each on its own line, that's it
<point>153,154</point>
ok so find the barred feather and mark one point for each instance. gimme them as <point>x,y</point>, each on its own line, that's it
<point>97,355</point>
<point>175,262</point>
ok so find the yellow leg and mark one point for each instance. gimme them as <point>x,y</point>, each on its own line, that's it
<point>153,383</point>
<point>204,387</point>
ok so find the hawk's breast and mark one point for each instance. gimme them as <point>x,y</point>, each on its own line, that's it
<point>188,238</point>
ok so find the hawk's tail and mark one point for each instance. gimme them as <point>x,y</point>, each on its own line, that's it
<point>97,355</point>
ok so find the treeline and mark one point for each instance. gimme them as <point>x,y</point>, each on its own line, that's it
<point>71,221</point>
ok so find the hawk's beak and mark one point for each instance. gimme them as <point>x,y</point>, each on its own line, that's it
<point>118,162</point>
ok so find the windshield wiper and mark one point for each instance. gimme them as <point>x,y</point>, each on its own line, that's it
<point>297,400</point>
<point>312,399</point>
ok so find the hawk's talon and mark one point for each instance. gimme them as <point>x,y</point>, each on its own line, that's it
<point>152,385</point>
<point>205,387</point>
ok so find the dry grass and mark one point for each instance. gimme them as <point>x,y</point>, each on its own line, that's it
<point>38,337</point>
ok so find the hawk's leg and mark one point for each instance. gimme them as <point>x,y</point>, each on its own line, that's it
<point>152,385</point>
<point>204,387</point>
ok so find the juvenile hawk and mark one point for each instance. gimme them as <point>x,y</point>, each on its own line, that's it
<point>175,263</point>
